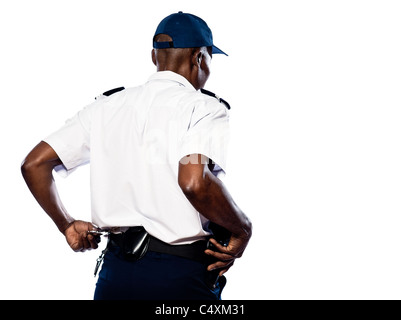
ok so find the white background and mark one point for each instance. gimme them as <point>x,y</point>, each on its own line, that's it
<point>315,152</point>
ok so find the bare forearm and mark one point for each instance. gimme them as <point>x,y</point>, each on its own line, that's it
<point>213,201</point>
<point>38,176</point>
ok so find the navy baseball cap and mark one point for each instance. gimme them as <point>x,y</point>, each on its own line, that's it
<point>187,31</point>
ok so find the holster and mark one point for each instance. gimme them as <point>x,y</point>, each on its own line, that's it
<point>133,243</point>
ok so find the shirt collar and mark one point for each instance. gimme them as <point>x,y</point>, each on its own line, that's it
<point>172,76</point>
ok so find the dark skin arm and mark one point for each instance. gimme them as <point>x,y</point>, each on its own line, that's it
<point>37,170</point>
<point>209,196</point>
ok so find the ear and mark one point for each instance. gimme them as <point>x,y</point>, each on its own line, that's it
<point>197,57</point>
<point>154,57</point>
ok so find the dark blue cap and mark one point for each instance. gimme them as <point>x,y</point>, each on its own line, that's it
<point>187,31</point>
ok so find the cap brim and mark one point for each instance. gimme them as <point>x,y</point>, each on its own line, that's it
<point>216,50</point>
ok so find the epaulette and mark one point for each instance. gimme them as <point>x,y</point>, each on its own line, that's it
<point>221,100</point>
<point>109,92</point>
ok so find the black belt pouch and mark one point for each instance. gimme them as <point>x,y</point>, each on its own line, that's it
<point>135,243</point>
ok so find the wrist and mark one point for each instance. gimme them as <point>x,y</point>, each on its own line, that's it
<point>246,231</point>
<point>68,224</point>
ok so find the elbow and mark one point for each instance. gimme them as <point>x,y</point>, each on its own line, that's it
<point>192,188</point>
<point>28,165</point>
<point>41,160</point>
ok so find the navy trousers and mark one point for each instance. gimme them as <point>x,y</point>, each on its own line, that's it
<point>156,276</point>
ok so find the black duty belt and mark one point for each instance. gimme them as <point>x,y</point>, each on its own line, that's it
<point>139,240</point>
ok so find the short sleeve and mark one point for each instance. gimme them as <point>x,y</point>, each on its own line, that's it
<point>208,133</point>
<point>72,143</point>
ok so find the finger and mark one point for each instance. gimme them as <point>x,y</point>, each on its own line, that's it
<point>219,255</point>
<point>220,265</point>
<point>92,241</point>
<point>85,242</point>
<point>225,270</point>
<point>76,247</point>
<point>97,238</point>
<point>218,245</point>
<point>230,249</point>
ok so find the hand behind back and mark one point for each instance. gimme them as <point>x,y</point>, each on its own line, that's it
<point>78,238</point>
<point>227,255</point>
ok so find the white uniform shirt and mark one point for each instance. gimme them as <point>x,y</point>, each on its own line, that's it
<point>134,140</point>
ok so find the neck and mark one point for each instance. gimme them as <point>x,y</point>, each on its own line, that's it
<point>178,61</point>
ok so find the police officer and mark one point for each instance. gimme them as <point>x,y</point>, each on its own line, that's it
<point>156,152</point>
